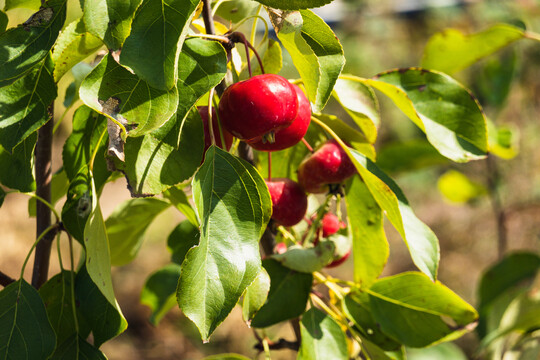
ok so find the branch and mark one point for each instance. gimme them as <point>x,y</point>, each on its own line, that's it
<point>43,154</point>
<point>5,280</point>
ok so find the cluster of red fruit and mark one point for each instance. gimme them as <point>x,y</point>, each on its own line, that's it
<point>270,114</point>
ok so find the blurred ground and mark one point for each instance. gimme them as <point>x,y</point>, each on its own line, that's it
<point>376,36</point>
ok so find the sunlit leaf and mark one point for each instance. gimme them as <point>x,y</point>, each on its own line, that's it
<point>28,4</point>
<point>154,43</point>
<point>159,291</point>
<point>25,331</point>
<point>109,20</point>
<point>360,103</point>
<point>451,50</point>
<point>24,105</point>
<point>322,337</point>
<point>294,4</point>
<point>179,199</point>
<point>74,44</point>
<point>288,295</point>
<point>417,312</point>
<point>113,91</point>
<point>441,107</point>
<point>26,45</point>
<point>126,227</point>
<point>315,51</point>
<point>255,296</point>
<point>370,247</point>
<point>234,206</point>
<point>272,59</point>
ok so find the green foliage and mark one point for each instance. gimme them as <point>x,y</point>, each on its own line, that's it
<point>227,259</point>
<point>139,121</point>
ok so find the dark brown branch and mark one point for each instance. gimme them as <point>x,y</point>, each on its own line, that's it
<point>5,280</point>
<point>280,344</point>
<point>43,171</point>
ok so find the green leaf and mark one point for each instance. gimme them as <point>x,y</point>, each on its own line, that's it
<point>234,206</point>
<point>294,4</point>
<point>512,270</point>
<point>113,91</point>
<point>365,218</point>
<point>315,51</point>
<point>79,72</point>
<point>157,33</point>
<point>89,131</point>
<point>272,59</point>
<point>56,294</point>
<point>237,10</point>
<point>441,107</point>
<point>417,312</point>
<point>201,66</point>
<point>78,205</point>
<point>26,45</point>
<point>28,4</point>
<point>444,351</point>
<point>105,320</point>
<point>98,259</point>
<point>109,20</point>
<point>360,102</point>
<point>357,309</point>
<point>451,50</point>
<point>159,291</point>
<point>458,188</point>
<point>288,295</point>
<point>178,198</point>
<point>351,136</point>
<point>76,347</point>
<point>24,106</point>
<point>503,140</point>
<point>59,188</point>
<point>408,155</point>
<point>126,227</point>
<point>322,337</point>
<point>255,296</point>
<point>181,239</point>
<point>74,44</point>
<point>4,20</point>
<point>307,260</point>
<point>165,157</point>
<point>18,167</point>
<point>25,331</point>
<point>2,196</point>
<point>422,243</point>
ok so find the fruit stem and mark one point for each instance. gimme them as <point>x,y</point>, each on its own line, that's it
<point>307,145</point>
<point>269,166</point>
<point>239,37</point>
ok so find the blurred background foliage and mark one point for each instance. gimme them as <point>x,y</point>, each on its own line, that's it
<point>473,208</point>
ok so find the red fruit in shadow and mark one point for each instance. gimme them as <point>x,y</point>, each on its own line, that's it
<point>258,107</point>
<point>328,165</point>
<point>292,134</point>
<point>340,260</point>
<point>330,224</point>
<point>227,136</point>
<point>289,201</point>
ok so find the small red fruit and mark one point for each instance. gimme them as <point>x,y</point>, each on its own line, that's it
<point>330,224</point>
<point>289,201</point>
<point>280,248</point>
<point>227,136</point>
<point>328,165</point>
<point>292,134</point>
<point>258,107</point>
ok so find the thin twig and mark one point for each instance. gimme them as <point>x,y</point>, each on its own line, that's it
<point>493,179</point>
<point>280,344</point>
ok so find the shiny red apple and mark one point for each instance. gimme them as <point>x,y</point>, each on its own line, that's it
<point>328,165</point>
<point>256,108</point>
